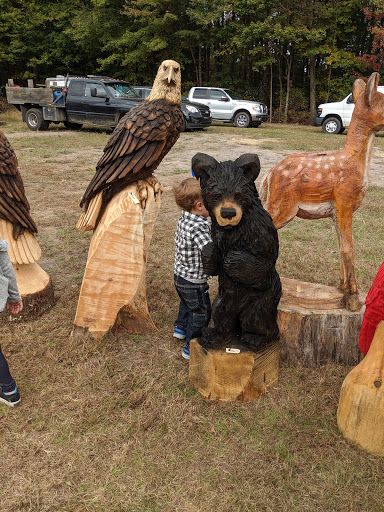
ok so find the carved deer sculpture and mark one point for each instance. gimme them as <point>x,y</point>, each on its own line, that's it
<point>331,184</point>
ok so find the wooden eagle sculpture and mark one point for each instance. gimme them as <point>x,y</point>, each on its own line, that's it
<point>16,224</point>
<point>138,144</point>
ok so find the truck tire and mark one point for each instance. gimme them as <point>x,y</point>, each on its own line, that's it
<point>35,121</point>
<point>332,125</point>
<point>242,119</point>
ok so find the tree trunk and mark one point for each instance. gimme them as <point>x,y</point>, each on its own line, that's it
<point>242,376</point>
<point>314,327</point>
<point>312,85</point>
<point>288,84</point>
<point>360,414</point>
<point>113,293</point>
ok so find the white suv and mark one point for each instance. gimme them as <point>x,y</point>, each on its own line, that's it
<point>335,117</point>
<point>228,107</point>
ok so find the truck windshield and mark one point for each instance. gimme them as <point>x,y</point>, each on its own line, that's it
<point>121,90</point>
<point>232,94</point>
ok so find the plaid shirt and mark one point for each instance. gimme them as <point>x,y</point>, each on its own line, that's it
<point>193,232</point>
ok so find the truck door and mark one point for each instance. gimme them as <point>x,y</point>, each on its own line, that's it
<point>220,105</point>
<point>92,106</point>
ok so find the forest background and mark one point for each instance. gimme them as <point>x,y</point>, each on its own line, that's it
<point>291,55</point>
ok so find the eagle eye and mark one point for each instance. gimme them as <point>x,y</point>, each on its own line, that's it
<point>176,70</point>
<point>165,68</point>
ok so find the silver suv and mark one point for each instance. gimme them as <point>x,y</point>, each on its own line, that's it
<point>227,106</point>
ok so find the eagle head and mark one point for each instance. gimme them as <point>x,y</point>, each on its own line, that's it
<point>167,84</point>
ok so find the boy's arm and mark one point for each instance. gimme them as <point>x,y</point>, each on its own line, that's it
<point>8,272</point>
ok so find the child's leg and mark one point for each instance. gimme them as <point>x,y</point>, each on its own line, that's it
<point>199,303</point>
<point>7,383</point>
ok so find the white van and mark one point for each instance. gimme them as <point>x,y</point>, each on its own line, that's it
<point>335,117</point>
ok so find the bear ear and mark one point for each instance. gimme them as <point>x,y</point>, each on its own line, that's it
<point>202,164</point>
<point>250,164</point>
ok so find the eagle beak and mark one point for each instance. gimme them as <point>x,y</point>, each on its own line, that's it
<point>171,76</point>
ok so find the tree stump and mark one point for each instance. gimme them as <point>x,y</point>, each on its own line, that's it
<point>315,329</point>
<point>243,376</point>
<point>113,293</point>
<point>360,414</point>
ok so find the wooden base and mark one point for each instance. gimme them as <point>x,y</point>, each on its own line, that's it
<point>222,376</point>
<point>360,414</point>
<point>314,328</point>
<point>36,290</point>
<point>113,292</point>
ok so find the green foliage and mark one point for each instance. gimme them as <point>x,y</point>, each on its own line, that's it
<point>241,44</point>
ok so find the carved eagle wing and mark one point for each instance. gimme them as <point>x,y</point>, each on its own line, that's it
<point>14,206</point>
<point>137,146</point>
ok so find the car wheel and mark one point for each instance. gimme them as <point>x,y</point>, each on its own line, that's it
<point>184,127</point>
<point>332,125</point>
<point>242,120</point>
<point>35,121</point>
<point>72,126</point>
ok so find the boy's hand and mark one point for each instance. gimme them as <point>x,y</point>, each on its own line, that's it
<point>15,307</point>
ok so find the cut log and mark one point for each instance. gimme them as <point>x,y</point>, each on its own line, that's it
<point>315,329</point>
<point>243,376</point>
<point>360,415</point>
<point>113,292</point>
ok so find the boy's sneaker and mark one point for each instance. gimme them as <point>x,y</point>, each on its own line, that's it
<point>10,399</point>
<point>185,353</point>
<point>178,333</point>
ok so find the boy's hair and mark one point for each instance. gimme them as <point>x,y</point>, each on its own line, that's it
<point>187,193</point>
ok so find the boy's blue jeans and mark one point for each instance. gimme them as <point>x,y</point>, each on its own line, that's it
<point>7,383</point>
<point>194,309</point>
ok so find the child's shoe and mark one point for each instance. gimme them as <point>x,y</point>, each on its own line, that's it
<point>185,353</point>
<point>178,333</point>
<point>10,399</point>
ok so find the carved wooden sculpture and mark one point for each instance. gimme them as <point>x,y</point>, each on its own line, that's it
<point>331,184</point>
<point>360,414</point>
<point>121,204</point>
<point>243,254</point>
<point>18,229</point>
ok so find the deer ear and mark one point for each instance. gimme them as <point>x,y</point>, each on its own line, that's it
<point>373,82</point>
<point>358,88</point>
<point>202,164</point>
<point>250,164</point>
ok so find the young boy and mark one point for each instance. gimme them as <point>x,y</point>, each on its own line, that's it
<point>192,234</point>
<point>10,299</point>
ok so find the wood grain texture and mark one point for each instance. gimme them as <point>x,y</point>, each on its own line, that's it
<point>224,377</point>
<point>113,293</point>
<point>331,183</point>
<point>315,329</point>
<point>360,415</point>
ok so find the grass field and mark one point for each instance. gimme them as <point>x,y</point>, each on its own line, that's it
<point>114,426</point>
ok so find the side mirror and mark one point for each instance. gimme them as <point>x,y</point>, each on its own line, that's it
<point>94,94</point>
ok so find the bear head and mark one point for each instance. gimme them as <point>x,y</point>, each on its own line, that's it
<point>228,188</point>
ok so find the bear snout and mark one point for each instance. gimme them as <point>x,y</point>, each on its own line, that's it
<point>228,213</point>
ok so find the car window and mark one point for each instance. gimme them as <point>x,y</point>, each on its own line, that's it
<point>89,86</point>
<point>77,88</point>
<point>200,93</point>
<point>350,99</point>
<point>122,90</point>
<point>217,94</point>
<point>232,94</point>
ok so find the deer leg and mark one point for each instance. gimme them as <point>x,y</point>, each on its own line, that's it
<point>344,230</point>
<point>343,281</point>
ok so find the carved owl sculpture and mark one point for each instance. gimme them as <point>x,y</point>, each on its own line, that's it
<point>138,144</point>
<point>16,224</point>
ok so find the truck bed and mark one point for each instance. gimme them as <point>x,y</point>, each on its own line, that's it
<point>36,95</point>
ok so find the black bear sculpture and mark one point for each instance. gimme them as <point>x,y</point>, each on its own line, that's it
<point>243,254</point>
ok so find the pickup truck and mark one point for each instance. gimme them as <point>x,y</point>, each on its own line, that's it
<point>335,117</point>
<point>227,106</point>
<point>98,101</point>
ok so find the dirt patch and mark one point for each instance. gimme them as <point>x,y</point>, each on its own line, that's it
<point>224,147</point>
